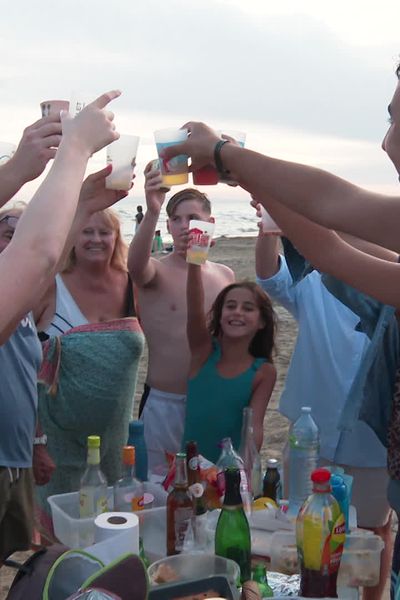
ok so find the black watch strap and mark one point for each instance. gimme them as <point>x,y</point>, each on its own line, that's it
<point>218,160</point>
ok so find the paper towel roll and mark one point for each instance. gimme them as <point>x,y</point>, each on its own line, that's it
<point>111,524</point>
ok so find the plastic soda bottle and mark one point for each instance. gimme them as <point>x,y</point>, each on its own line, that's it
<point>179,508</point>
<point>93,488</point>
<point>320,536</point>
<point>260,576</point>
<point>196,491</point>
<point>303,458</point>
<point>232,535</point>
<point>250,455</point>
<point>128,491</point>
<point>136,439</point>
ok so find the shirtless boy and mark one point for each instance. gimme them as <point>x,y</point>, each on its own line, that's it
<point>161,287</point>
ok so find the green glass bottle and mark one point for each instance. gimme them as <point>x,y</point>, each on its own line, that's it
<point>232,535</point>
<point>260,576</point>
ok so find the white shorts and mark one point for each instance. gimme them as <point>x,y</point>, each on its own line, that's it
<point>163,417</point>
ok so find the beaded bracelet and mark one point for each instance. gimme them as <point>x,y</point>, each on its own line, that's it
<point>218,160</point>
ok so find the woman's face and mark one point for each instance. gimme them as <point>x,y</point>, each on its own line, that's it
<point>96,241</point>
<point>391,141</point>
<point>8,223</point>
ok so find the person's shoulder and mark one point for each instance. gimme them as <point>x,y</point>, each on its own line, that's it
<point>266,372</point>
<point>221,269</point>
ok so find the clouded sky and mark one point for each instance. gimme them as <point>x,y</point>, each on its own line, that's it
<point>307,80</point>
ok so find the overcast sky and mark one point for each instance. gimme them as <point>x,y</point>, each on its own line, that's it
<point>307,80</point>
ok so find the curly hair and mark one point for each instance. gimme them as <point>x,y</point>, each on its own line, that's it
<point>120,254</point>
<point>263,343</point>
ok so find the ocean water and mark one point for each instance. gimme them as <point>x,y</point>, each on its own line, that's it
<point>233,216</point>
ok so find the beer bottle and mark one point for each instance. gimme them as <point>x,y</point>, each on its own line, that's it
<point>260,575</point>
<point>272,480</point>
<point>179,508</point>
<point>232,535</point>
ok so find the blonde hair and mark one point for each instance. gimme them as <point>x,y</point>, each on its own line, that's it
<point>120,255</point>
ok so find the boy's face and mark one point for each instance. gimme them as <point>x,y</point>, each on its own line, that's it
<point>186,211</point>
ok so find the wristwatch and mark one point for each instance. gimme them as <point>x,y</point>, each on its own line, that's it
<point>40,441</point>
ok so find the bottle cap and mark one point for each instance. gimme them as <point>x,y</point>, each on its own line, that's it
<point>93,441</point>
<point>136,426</point>
<point>306,409</point>
<point>320,476</point>
<point>273,463</point>
<point>128,455</point>
<point>339,486</point>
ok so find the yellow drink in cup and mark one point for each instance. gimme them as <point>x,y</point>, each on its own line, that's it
<point>201,233</point>
<point>175,170</point>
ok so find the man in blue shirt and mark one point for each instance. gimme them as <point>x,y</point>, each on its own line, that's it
<point>328,353</point>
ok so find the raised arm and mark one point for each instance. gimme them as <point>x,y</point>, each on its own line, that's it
<point>142,267</point>
<point>267,255</point>
<point>373,271</point>
<point>40,236</point>
<point>37,146</point>
<point>316,194</point>
<point>199,337</point>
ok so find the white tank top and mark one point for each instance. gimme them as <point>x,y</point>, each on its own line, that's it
<point>67,314</point>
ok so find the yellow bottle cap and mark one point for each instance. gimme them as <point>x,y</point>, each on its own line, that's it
<point>93,441</point>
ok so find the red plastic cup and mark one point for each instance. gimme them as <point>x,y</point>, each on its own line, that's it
<point>207,175</point>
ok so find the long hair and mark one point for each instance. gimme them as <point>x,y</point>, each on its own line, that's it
<point>263,342</point>
<point>120,254</point>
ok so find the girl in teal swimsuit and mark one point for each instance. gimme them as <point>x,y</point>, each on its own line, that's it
<point>231,362</point>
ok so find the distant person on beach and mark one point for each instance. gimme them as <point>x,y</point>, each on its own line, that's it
<point>31,246</point>
<point>231,363</point>
<point>161,286</point>
<point>329,352</point>
<point>158,245</point>
<point>139,216</point>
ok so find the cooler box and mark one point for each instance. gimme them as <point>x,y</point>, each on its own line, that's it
<point>70,529</point>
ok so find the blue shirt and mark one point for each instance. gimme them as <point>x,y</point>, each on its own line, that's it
<point>325,361</point>
<point>20,359</point>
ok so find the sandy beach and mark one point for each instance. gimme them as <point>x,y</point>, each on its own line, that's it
<point>237,253</point>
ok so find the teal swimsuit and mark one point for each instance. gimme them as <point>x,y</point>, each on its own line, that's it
<point>214,406</point>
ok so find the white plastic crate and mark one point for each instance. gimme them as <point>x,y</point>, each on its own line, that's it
<point>73,531</point>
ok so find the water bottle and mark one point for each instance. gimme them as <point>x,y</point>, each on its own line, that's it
<point>303,458</point>
<point>250,455</point>
<point>136,439</point>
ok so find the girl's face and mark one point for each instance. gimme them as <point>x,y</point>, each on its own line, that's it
<point>96,241</point>
<point>240,314</point>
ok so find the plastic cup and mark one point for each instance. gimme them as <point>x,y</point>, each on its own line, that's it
<point>6,151</point>
<point>156,166</point>
<point>175,170</point>
<point>77,102</point>
<point>121,154</point>
<point>268,224</point>
<point>53,107</point>
<point>207,175</point>
<point>201,232</point>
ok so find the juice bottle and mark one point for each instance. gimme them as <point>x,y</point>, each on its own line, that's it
<point>320,535</point>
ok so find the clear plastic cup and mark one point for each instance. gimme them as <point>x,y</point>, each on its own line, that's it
<point>53,107</point>
<point>201,232</point>
<point>121,154</point>
<point>175,170</point>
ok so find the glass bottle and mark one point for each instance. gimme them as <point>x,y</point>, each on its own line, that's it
<point>272,480</point>
<point>229,458</point>
<point>196,490</point>
<point>320,536</point>
<point>128,491</point>
<point>179,508</point>
<point>232,535</point>
<point>136,439</point>
<point>260,576</point>
<point>250,455</point>
<point>93,487</point>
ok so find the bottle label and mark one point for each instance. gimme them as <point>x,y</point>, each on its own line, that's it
<point>193,463</point>
<point>182,517</point>
<point>92,502</point>
<point>196,490</point>
<point>135,502</point>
